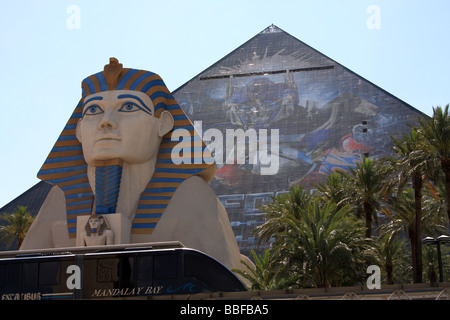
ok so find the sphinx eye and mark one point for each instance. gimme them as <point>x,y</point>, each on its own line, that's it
<point>92,110</point>
<point>129,107</point>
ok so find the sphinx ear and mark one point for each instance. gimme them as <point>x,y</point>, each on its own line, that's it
<point>166,123</point>
<point>78,130</point>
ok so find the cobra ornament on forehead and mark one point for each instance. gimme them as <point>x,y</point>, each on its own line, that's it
<point>115,77</point>
<point>66,167</point>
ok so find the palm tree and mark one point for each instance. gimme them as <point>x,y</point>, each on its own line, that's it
<point>413,165</point>
<point>364,190</point>
<point>432,263</point>
<point>292,202</point>
<point>18,223</point>
<point>436,131</point>
<point>334,188</point>
<point>262,276</point>
<point>436,199</point>
<point>389,246</point>
<point>325,246</point>
<point>401,214</point>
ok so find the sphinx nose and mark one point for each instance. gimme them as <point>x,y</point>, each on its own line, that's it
<point>109,120</point>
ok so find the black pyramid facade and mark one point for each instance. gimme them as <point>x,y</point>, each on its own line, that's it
<point>326,116</point>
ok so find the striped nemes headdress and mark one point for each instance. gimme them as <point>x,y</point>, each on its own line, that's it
<point>65,165</point>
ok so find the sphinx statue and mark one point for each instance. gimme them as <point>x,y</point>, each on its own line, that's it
<point>96,232</point>
<point>114,159</point>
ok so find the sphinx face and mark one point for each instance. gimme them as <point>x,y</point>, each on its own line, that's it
<point>119,124</point>
<point>95,223</point>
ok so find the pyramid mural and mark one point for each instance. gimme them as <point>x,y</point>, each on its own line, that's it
<point>278,113</point>
<point>274,86</point>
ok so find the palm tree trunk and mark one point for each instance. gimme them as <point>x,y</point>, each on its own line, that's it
<point>418,184</point>
<point>19,241</point>
<point>412,239</point>
<point>389,272</point>
<point>445,163</point>
<point>368,214</point>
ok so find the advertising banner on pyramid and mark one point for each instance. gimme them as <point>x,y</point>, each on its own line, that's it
<point>277,113</point>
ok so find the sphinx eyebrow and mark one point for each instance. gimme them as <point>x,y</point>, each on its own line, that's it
<point>124,96</point>
<point>91,99</point>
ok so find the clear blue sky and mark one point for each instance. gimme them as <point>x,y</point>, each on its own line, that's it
<point>47,48</point>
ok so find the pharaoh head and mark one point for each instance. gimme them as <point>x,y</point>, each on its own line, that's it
<point>125,116</point>
<point>120,120</point>
<point>96,224</point>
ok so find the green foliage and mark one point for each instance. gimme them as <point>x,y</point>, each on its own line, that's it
<point>263,275</point>
<point>431,266</point>
<point>327,245</point>
<point>436,132</point>
<point>326,239</point>
<point>391,255</point>
<point>16,227</point>
<point>315,243</point>
<point>293,203</point>
<point>364,189</point>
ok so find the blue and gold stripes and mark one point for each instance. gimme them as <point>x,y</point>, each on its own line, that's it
<point>65,165</point>
<point>168,175</point>
<point>107,185</point>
